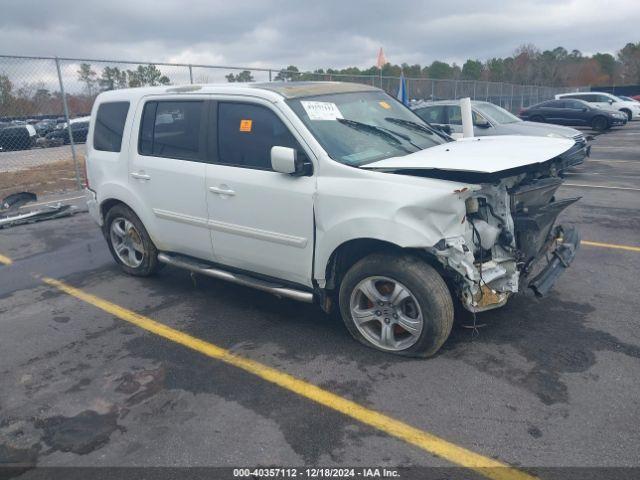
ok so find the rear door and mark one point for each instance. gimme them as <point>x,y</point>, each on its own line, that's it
<point>555,112</point>
<point>167,171</point>
<point>433,115</point>
<point>261,221</point>
<point>577,114</point>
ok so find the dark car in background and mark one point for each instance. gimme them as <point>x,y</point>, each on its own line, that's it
<point>574,113</point>
<point>17,137</point>
<point>60,136</point>
<point>45,126</point>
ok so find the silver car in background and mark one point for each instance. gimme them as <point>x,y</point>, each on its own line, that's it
<point>488,119</point>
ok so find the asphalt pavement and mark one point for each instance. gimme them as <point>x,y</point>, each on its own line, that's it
<point>548,386</point>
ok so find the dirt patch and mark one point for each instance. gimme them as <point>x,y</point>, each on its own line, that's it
<point>43,179</point>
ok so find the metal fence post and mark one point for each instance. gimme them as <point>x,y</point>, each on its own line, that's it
<point>433,90</point>
<point>191,74</point>
<point>66,116</point>
<point>511,100</point>
<point>269,74</point>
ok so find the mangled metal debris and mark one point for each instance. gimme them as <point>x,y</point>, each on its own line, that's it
<point>11,214</point>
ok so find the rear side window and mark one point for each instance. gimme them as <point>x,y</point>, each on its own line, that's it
<point>431,114</point>
<point>246,134</point>
<point>172,129</point>
<point>107,134</point>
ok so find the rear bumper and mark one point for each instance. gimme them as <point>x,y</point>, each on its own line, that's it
<point>558,262</point>
<point>92,205</point>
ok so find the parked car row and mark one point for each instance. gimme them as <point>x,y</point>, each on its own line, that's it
<point>26,134</point>
<point>489,120</point>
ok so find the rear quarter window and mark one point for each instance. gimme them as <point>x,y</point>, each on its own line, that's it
<point>110,120</point>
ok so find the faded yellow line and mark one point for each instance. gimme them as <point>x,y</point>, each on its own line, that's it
<point>5,260</point>
<point>610,245</point>
<point>432,444</point>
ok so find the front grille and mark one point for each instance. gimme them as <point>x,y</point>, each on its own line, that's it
<point>579,138</point>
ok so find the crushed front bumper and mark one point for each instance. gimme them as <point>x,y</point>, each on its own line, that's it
<point>559,261</point>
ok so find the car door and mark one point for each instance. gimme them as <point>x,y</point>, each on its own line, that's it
<point>576,113</point>
<point>555,112</point>
<point>167,173</point>
<point>261,221</point>
<point>434,115</point>
<point>454,120</point>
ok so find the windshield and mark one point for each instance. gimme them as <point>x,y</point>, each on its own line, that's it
<point>498,114</point>
<point>364,127</point>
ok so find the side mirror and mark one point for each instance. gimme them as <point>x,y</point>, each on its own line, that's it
<point>611,101</point>
<point>481,123</point>
<point>584,109</point>
<point>286,160</point>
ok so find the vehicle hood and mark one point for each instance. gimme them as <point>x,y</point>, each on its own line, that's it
<point>537,129</point>
<point>484,155</point>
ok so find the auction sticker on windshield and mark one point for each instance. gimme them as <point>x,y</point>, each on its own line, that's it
<point>321,110</point>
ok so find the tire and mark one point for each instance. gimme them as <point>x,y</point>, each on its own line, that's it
<point>600,124</point>
<point>428,305</point>
<point>143,261</point>
<point>537,118</point>
<point>627,113</point>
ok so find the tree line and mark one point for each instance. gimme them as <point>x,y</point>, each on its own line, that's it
<point>528,65</point>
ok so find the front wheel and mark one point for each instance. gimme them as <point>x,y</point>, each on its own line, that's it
<point>396,303</point>
<point>600,124</point>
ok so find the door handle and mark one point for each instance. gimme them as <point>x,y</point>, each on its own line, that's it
<point>222,191</point>
<point>140,176</point>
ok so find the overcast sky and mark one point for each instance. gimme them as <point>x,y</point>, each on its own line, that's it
<point>311,34</point>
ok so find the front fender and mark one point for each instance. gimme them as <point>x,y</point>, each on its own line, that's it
<point>409,212</point>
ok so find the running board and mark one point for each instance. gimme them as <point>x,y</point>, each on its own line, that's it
<point>210,271</point>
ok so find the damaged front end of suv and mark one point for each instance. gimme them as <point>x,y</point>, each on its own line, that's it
<point>510,242</point>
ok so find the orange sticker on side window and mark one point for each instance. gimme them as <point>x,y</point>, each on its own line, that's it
<point>384,105</point>
<point>245,125</point>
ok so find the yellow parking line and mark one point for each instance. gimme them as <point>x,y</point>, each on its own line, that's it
<point>5,260</point>
<point>600,186</point>
<point>610,245</point>
<point>428,442</point>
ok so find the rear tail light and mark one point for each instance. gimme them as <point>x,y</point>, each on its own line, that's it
<point>86,174</point>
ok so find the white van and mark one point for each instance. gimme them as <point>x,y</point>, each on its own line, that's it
<point>325,192</point>
<point>607,101</point>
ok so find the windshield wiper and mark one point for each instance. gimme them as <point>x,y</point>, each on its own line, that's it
<point>416,126</point>
<point>390,136</point>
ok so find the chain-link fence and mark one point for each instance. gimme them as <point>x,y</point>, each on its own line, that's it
<point>45,103</point>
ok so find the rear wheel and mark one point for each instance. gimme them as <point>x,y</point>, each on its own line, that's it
<point>600,123</point>
<point>537,118</point>
<point>397,304</point>
<point>130,243</point>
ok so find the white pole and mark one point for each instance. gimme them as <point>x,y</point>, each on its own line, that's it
<point>467,119</point>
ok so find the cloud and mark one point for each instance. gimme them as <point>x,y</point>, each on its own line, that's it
<point>331,33</point>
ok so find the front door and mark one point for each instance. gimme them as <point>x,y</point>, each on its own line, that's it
<point>260,220</point>
<point>167,173</point>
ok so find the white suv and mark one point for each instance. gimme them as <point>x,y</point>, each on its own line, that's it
<point>606,101</point>
<point>331,193</point>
